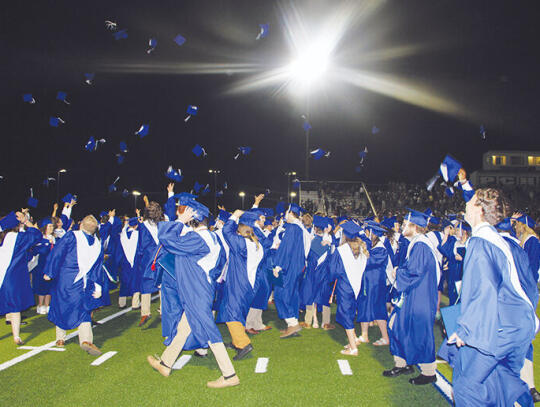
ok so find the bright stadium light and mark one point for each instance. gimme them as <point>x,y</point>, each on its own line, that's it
<point>311,64</point>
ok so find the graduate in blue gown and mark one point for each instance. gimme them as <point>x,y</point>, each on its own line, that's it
<point>15,290</point>
<point>75,266</point>
<point>243,277</point>
<point>411,322</point>
<point>497,321</point>
<point>453,249</point>
<point>290,261</point>
<point>374,293</point>
<point>222,218</point>
<point>125,255</point>
<point>188,291</point>
<point>109,233</point>
<point>314,277</point>
<point>39,252</point>
<point>147,245</point>
<point>524,227</point>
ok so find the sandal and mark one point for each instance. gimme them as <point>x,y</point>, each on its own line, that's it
<point>349,352</point>
<point>361,339</point>
<point>381,342</point>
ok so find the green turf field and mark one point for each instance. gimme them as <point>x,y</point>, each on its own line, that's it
<point>301,371</point>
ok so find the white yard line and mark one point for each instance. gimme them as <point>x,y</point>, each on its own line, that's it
<point>180,363</point>
<point>42,348</point>
<point>444,387</point>
<point>262,365</point>
<point>103,358</point>
<point>345,367</point>
<point>35,347</point>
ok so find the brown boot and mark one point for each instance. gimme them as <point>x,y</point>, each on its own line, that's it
<point>222,382</point>
<point>90,348</point>
<point>158,365</point>
<point>305,325</point>
<point>60,343</point>
<point>328,327</point>
<point>290,331</point>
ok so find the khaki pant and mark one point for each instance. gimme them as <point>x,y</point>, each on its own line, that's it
<point>254,319</point>
<point>145,304</point>
<point>85,333</point>
<point>325,315</point>
<point>238,334</point>
<point>172,351</point>
<point>15,319</point>
<point>136,300</point>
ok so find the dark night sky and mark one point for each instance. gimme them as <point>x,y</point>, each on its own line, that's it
<point>482,55</point>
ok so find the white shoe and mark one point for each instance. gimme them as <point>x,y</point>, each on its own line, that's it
<point>315,325</point>
<point>38,309</point>
<point>41,309</point>
<point>47,308</point>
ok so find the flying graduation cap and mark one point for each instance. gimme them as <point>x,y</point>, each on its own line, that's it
<point>111,25</point>
<point>191,111</point>
<point>296,183</point>
<point>125,193</point>
<point>179,40</point>
<point>112,187</point>
<point>320,153</point>
<point>306,126</point>
<point>89,77</point>
<point>55,121</point>
<point>28,98</point>
<point>363,155</point>
<point>206,190</point>
<point>198,151</point>
<point>174,175</point>
<point>263,31</point>
<point>120,158</point>
<point>152,43</point>
<point>243,151</point>
<point>375,130</point>
<point>32,202</point>
<point>62,96</point>
<point>143,130</point>
<point>123,147</point>
<point>47,181</point>
<point>120,35</point>
<point>92,144</point>
<point>449,168</point>
<point>69,197</point>
<point>482,132</point>
<point>197,187</point>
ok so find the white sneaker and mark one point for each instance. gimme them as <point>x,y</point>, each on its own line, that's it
<point>47,309</point>
<point>41,309</point>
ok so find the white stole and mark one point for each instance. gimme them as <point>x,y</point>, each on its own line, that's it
<point>354,267</point>
<point>209,261</point>
<point>129,244</point>
<point>223,275</point>
<point>152,228</point>
<point>254,257</point>
<point>86,255</point>
<point>6,254</point>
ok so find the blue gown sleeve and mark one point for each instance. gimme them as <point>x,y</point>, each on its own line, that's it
<point>58,254</point>
<point>28,239</point>
<point>188,244</point>
<point>532,247</point>
<point>169,208</point>
<point>447,249</point>
<point>291,238</point>
<point>235,241</point>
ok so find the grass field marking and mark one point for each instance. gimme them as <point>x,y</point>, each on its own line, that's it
<point>40,349</point>
<point>35,347</point>
<point>345,367</point>
<point>444,387</point>
<point>180,363</point>
<point>103,358</point>
<point>262,365</point>
<point>122,312</point>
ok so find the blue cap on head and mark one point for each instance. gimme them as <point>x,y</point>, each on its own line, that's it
<point>103,213</point>
<point>375,228</point>
<point>184,197</point>
<point>389,222</point>
<point>320,222</point>
<point>133,221</point>
<point>68,198</point>
<point>449,168</point>
<point>268,212</point>
<point>351,229</point>
<point>466,226</point>
<point>201,211</point>
<point>249,218</point>
<point>505,225</point>
<point>296,209</point>
<point>44,222</point>
<point>223,215</point>
<point>417,217</point>
<point>527,220</point>
<point>446,223</point>
<point>9,221</point>
<point>268,221</point>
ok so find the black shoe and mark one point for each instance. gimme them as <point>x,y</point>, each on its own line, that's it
<point>422,379</point>
<point>200,355</point>
<point>229,345</point>
<point>397,371</point>
<point>22,323</point>
<point>535,395</point>
<point>242,353</point>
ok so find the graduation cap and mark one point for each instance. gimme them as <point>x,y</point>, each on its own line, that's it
<point>152,43</point>
<point>249,218</point>
<point>143,131</point>
<point>351,229</point>
<point>244,151</point>
<point>320,222</point>
<point>296,183</point>
<point>125,193</point>
<point>47,181</point>
<point>111,25</point>
<point>363,154</point>
<point>32,202</point>
<point>133,221</point>
<point>389,222</point>
<point>482,132</point>
<point>123,147</point>
<point>198,151</point>
<point>174,175</point>
<point>446,223</point>
<point>416,217</point>
<point>225,185</point>
<point>263,31</point>
<point>45,221</point>
<point>449,168</point>
<point>89,77</point>
<point>120,158</point>
<point>62,96</point>
<point>223,215</point>
<point>296,209</point>
<point>55,121</point>
<point>191,111</point>
<point>505,224</point>
<point>120,35</point>
<point>375,130</point>
<point>103,213</point>
<point>375,228</point>
<point>68,198</point>
<point>183,198</point>
<point>206,190</point>
<point>268,212</point>
<point>527,221</point>
<point>197,187</point>
<point>92,144</point>
<point>112,187</point>
<point>9,221</point>
<point>201,211</point>
<point>306,126</point>
<point>28,98</point>
<point>179,40</point>
<point>319,153</point>
<point>219,193</point>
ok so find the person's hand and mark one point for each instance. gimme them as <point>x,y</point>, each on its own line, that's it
<point>146,201</point>
<point>221,208</point>
<point>276,271</point>
<point>96,294</point>
<point>73,202</point>
<point>516,215</point>
<point>21,217</point>
<point>458,257</point>
<point>454,338</point>
<point>187,215</point>
<point>46,277</point>
<point>237,213</point>
<point>170,187</point>
<point>138,212</point>
<point>462,175</point>
<point>258,199</point>
<point>55,206</point>
<point>112,213</point>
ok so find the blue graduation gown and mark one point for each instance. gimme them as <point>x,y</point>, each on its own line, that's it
<point>532,247</point>
<point>373,296</point>
<point>128,279</point>
<point>144,258</point>
<point>71,302</point>
<point>411,336</point>
<point>16,293</point>
<point>454,270</point>
<point>41,249</point>
<point>264,288</point>
<point>192,289</point>
<point>497,324</point>
<point>291,258</point>
<point>238,293</point>
<point>311,283</point>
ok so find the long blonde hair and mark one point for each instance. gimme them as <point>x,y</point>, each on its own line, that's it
<point>247,232</point>
<point>523,231</point>
<point>356,246</point>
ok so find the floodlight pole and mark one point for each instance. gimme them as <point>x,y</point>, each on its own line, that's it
<point>307,156</point>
